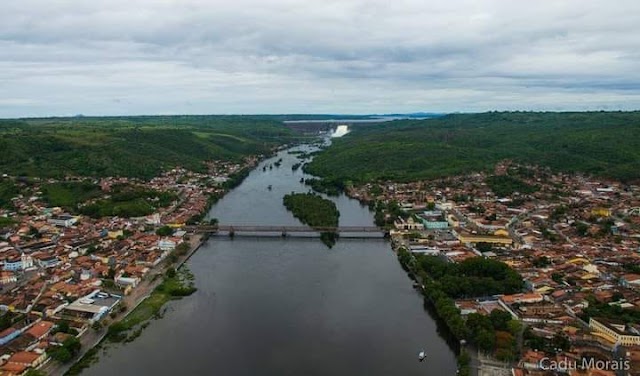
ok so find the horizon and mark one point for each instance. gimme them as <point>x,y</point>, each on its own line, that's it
<point>344,57</point>
<point>381,115</point>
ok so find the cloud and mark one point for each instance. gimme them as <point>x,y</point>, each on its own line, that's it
<point>63,57</point>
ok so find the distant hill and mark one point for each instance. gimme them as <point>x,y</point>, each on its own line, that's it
<point>599,143</point>
<point>140,146</point>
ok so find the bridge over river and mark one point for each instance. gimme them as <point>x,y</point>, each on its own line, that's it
<point>284,231</point>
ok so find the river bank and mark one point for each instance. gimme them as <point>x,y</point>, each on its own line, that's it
<point>296,306</point>
<point>93,339</point>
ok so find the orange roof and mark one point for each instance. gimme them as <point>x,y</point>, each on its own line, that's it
<point>40,329</point>
<point>24,357</point>
<point>14,368</point>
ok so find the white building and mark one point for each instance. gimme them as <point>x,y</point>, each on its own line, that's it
<point>64,220</point>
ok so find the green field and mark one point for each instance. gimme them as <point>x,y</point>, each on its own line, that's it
<point>141,146</point>
<point>600,143</point>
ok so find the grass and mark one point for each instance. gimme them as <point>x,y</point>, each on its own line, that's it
<point>173,287</point>
<point>69,194</point>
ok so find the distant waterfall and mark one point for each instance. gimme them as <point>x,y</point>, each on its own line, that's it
<point>340,131</point>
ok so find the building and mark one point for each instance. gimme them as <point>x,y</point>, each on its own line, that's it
<point>40,329</point>
<point>12,264</point>
<point>166,245</point>
<point>615,331</point>
<point>49,261</point>
<point>8,335</point>
<point>7,277</point>
<point>64,220</point>
<point>476,238</point>
<point>23,360</point>
<point>91,307</point>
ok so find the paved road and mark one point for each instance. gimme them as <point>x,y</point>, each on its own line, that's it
<point>92,338</point>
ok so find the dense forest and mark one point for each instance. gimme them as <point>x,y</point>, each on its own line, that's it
<point>8,190</point>
<point>140,146</point>
<point>315,211</point>
<point>600,143</point>
<point>127,201</point>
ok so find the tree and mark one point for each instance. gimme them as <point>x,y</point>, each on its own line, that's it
<point>500,319</point>
<point>34,372</point>
<point>63,327</point>
<point>61,354</point>
<point>97,326</point>
<point>164,231</point>
<point>484,247</point>
<point>582,228</point>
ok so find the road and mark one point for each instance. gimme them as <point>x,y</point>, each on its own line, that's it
<point>92,338</point>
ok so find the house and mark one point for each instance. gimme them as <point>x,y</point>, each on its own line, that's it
<point>7,277</point>
<point>630,280</point>
<point>12,264</point>
<point>8,335</point>
<point>48,261</point>
<point>64,220</point>
<point>24,359</point>
<point>40,329</point>
<point>166,245</point>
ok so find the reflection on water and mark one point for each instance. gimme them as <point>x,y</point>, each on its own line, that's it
<point>288,307</point>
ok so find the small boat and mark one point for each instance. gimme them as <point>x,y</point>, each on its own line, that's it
<point>422,355</point>
<point>269,187</point>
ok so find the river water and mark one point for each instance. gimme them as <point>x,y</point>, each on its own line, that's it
<point>272,306</point>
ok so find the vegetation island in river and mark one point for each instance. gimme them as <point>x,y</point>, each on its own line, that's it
<point>315,211</point>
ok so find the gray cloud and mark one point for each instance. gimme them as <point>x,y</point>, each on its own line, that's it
<point>62,57</point>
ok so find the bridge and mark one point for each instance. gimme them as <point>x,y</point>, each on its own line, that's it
<point>257,230</point>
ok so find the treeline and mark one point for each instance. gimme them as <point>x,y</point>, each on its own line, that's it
<point>473,277</point>
<point>129,202</point>
<point>505,185</point>
<point>330,187</point>
<point>132,146</point>
<point>599,143</point>
<point>495,333</point>
<point>315,211</point>
<point>8,190</point>
<point>69,194</point>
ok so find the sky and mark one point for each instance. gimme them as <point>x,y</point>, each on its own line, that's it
<point>128,57</point>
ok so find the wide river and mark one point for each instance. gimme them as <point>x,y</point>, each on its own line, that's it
<point>271,306</point>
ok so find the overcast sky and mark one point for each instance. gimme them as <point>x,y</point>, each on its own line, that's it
<point>119,57</point>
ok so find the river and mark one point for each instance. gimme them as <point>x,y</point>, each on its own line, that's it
<point>272,306</point>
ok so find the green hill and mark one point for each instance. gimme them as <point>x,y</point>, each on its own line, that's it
<point>140,146</point>
<point>599,143</point>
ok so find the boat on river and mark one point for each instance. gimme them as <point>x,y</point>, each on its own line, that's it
<point>422,355</point>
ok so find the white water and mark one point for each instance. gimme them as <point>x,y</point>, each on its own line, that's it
<point>340,131</point>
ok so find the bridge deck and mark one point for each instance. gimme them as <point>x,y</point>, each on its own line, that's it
<point>249,228</point>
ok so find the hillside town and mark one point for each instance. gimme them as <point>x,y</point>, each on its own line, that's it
<point>66,276</point>
<point>574,240</point>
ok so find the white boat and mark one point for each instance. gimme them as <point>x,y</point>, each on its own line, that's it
<point>422,355</point>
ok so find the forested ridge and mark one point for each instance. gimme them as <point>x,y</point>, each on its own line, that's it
<point>139,146</point>
<point>604,144</point>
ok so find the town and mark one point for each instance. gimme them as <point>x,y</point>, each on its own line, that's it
<point>69,273</point>
<point>574,240</point>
